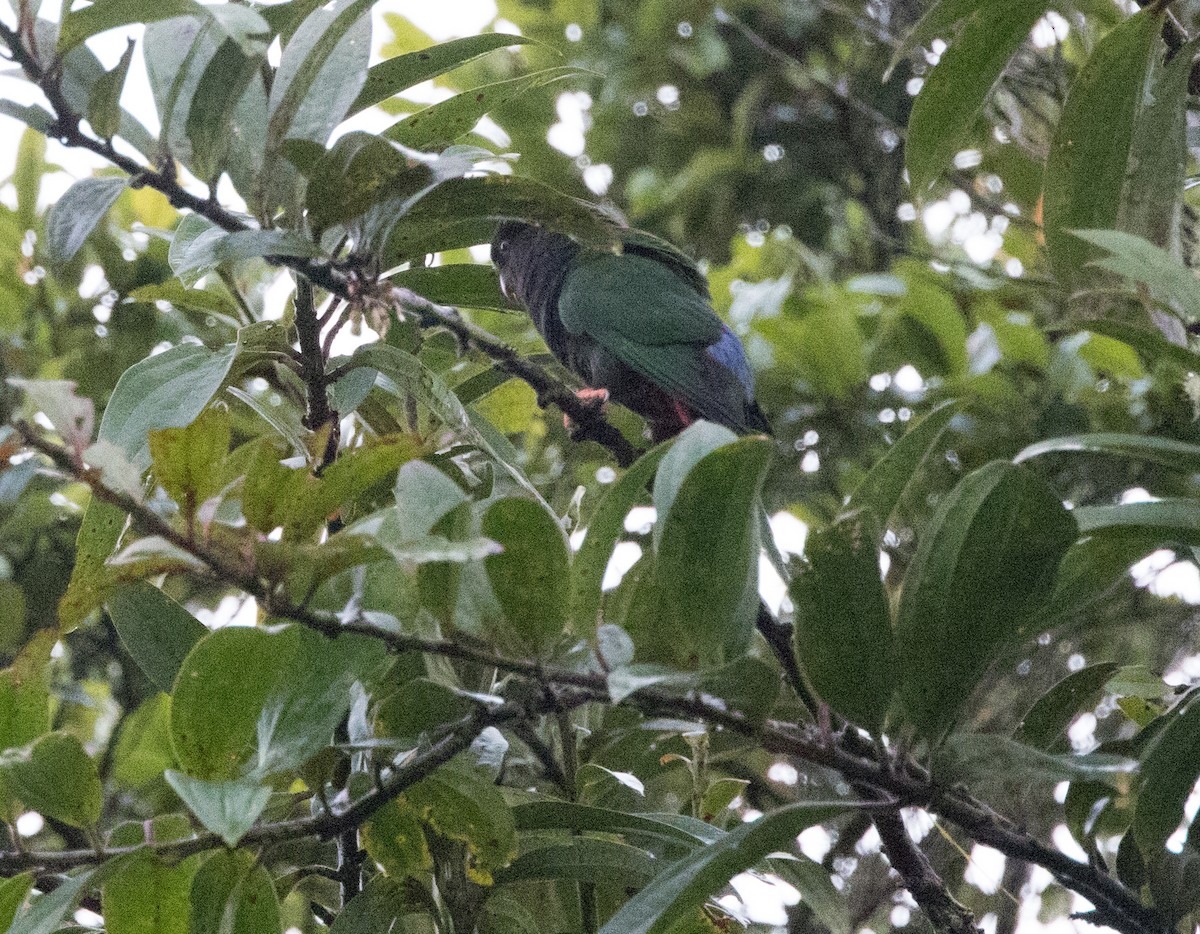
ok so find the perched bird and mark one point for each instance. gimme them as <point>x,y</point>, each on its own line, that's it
<point>636,325</point>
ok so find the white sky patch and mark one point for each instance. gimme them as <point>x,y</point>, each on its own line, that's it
<point>985,871</point>
<point>869,843</point>
<point>87,918</point>
<point>30,824</point>
<point>445,20</point>
<point>598,178</point>
<point>765,897</point>
<point>1067,845</point>
<point>783,772</point>
<point>908,379</point>
<point>771,587</point>
<point>1049,30</point>
<point>231,611</point>
<point>815,843</point>
<point>641,519</point>
<point>917,822</point>
<point>624,556</point>
<point>567,135</point>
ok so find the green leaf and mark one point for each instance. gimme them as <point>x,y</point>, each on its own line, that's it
<point>420,706</point>
<point>1149,343</point>
<point>466,808</point>
<point>658,829</point>
<point>233,894</point>
<point>684,453</point>
<point>1138,259</point>
<point>628,679</point>
<point>187,462</point>
<point>80,71</point>
<point>971,758</point>
<point>229,809</point>
<point>683,887</point>
<point>439,125</point>
<point>465,284</point>
<point>46,913</point>
<point>168,390</point>
<point>984,565</point>
<point>460,204</point>
<point>584,859</point>
<point>75,215</point>
<point>1045,725</point>
<point>359,172</point>
<point>13,893</point>
<point>33,116</point>
<point>1158,155</point>
<point>1169,771</point>
<point>748,685</point>
<point>269,699</point>
<point>214,246</point>
<point>104,107</point>
<point>1178,455</point>
<point>945,110</point>
<point>395,838</point>
<point>826,346</point>
<point>707,560</point>
<point>508,916</point>
<point>58,778</point>
<point>91,581</point>
<point>1086,170</point>
<point>143,746</point>
<point>530,577</point>
<point>210,116</point>
<point>320,73</point>
<point>376,908</point>
<point>843,628</point>
<point>604,530</point>
<point>817,891</point>
<point>882,489</point>
<point>1090,569</point>
<point>82,23</point>
<point>409,375</point>
<point>25,693</point>
<point>156,631</point>
<point>402,72</point>
<point>938,22</point>
<point>148,896</point>
<point>1167,521</point>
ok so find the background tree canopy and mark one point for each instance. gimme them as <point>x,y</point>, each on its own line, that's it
<point>489,675</point>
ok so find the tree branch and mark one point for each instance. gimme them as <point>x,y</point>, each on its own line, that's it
<point>338,278</point>
<point>900,780</point>
<point>324,826</point>
<point>920,878</point>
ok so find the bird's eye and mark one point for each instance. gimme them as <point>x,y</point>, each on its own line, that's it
<point>502,246</point>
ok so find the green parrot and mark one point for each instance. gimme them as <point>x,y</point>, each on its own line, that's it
<point>636,325</point>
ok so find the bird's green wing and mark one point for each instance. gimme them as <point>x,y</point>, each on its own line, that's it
<point>642,243</point>
<point>637,298</point>
<point>655,323</point>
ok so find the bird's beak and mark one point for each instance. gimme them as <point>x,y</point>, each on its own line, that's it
<point>504,287</point>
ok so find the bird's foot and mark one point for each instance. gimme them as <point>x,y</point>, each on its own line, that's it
<point>595,400</point>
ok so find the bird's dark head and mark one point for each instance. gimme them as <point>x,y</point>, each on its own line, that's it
<point>522,251</point>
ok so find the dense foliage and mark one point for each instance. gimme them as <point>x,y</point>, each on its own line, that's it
<point>257,370</point>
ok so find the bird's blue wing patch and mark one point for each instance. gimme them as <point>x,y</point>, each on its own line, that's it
<point>728,352</point>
